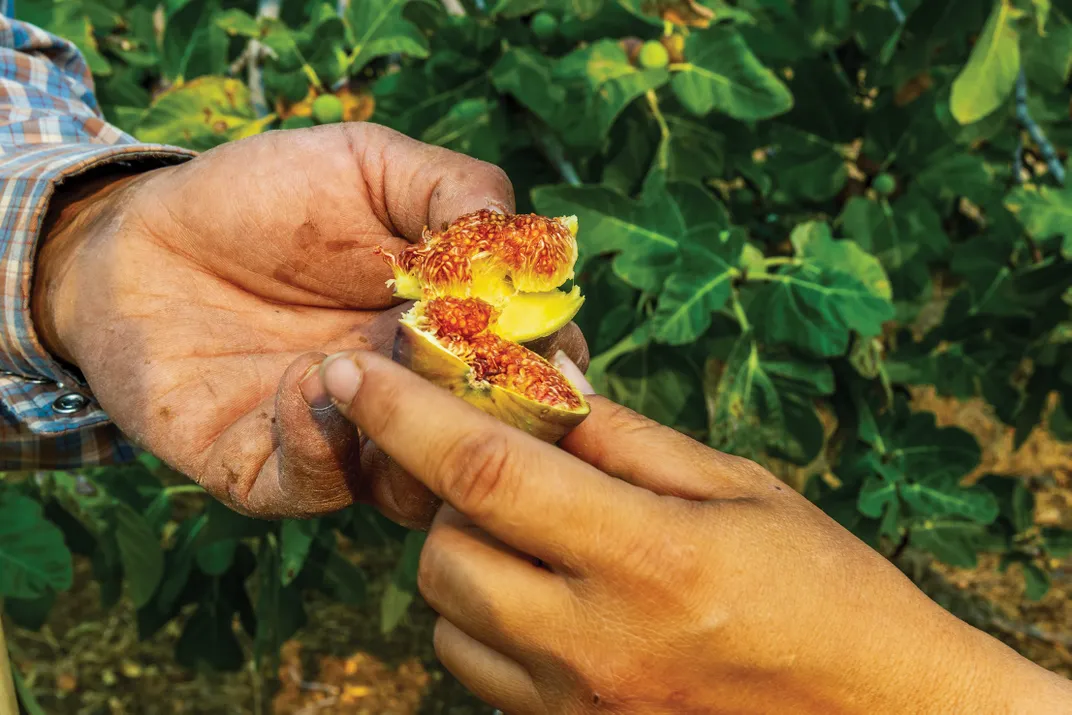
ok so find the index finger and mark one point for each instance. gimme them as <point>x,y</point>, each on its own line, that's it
<point>528,494</point>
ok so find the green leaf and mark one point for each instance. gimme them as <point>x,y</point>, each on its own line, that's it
<point>876,496</point>
<point>201,114</point>
<point>834,289</point>
<point>527,76</point>
<point>807,166</point>
<point>215,559</point>
<point>943,496</point>
<point>700,288</point>
<point>600,82</point>
<point>723,75</point>
<point>956,543</point>
<point>295,538</point>
<point>209,637</point>
<point>140,553</point>
<point>692,152</point>
<point>236,22</point>
<point>906,237</point>
<point>34,561</point>
<point>30,613</point>
<point>988,78</point>
<point>760,405</point>
<point>402,588</point>
<point>1036,581</point>
<point>1058,542</point>
<point>643,235</point>
<point>344,580</point>
<point>1044,211</point>
<point>660,385</point>
<point>470,127</point>
<point>380,30</point>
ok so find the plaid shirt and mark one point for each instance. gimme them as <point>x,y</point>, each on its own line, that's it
<point>51,130</point>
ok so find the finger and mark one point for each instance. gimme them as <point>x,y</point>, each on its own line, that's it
<point>292,456</point>
<point>414,185</point>
<point>506,481</point>
<point>491,591</point>
<point>491,676</point>
<point>398,496</point>
<point>626,445</point>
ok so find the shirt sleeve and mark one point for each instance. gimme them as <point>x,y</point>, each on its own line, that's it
<point>51,130</point>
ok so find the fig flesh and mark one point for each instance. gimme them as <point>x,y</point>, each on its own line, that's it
<point>483,285</point>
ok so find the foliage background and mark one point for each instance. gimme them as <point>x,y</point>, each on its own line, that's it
<point>812,208</point>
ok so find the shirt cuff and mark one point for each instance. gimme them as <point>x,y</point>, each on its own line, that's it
<point>39,392</point>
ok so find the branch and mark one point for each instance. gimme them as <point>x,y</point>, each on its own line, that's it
<point>898,12</point>
<point>1018,161</point>
<point>454,7</point>
<point>554,152</point>
<point>8,700</point>
<point>254,52</point>
<point>1028,124</point>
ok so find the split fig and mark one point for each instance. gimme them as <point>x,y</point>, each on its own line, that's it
<point>485,284</point>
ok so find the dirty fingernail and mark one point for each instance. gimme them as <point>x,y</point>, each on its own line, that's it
<point>573,373</point>
<point>342,378</point>
<point>312,389</point>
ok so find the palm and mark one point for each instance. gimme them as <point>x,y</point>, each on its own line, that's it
<point>226,278</point>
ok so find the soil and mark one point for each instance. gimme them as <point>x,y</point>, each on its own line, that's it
<point>87,661</point>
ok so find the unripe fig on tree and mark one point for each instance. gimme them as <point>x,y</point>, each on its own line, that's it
<point>653,55</point>
<point>327,109</point>
<point>483,285</point>
<point>884,184</point>
<point>544,25</point>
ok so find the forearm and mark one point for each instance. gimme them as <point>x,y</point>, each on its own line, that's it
<point>53,136</point>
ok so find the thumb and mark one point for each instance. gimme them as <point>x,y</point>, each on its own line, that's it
<point>414,185</point>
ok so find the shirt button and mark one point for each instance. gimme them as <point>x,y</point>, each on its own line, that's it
<point>69,404</point>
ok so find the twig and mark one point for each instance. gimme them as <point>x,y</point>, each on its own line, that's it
<point>454,7</point>
<point>1026,629</point>
<point>554,152</point>
<point>898,11</point>
<point>901,546</point>
<point>255,50</point>
<point>1018,161</point>
<point>1028,123</point>
<point>8,702</point>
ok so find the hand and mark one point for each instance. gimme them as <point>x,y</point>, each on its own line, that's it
<point>669,578</point>
<point>195,298</point>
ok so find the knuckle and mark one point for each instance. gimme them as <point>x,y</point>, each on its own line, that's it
<point>477,472</point>
<point>622,419</point>
<point>661,558</point>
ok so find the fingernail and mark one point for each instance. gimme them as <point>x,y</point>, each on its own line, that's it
<point>496,206</point>
<point>573,373</point>
<point>342,378</point>
<point>312,389</point>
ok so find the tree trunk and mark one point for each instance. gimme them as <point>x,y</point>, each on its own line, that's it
<point>8,703</point>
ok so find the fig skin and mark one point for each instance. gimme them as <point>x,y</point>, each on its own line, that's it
<point>421,353</point>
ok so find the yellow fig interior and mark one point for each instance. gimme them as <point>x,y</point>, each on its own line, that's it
<point>461,326</point>
<point>483,285</point>
<point>515,263</point>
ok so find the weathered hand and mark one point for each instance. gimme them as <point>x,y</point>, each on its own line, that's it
<point>671,578</point>
<point>195,298</point>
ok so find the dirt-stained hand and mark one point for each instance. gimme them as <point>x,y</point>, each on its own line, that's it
<point>195,298</point>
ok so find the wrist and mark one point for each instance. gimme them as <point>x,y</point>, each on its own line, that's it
<point>1007,682</point>
<point>79,215</point>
